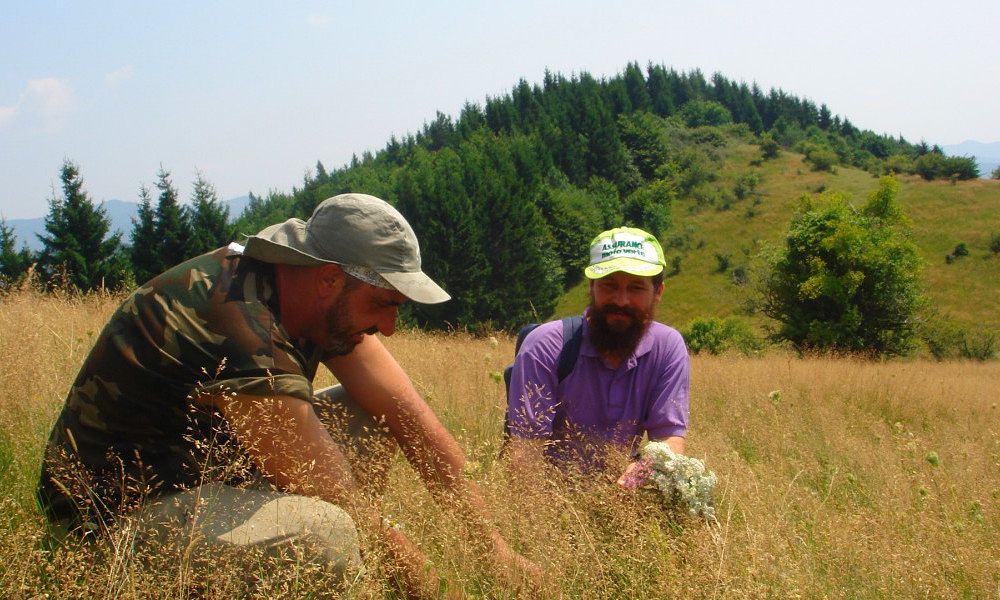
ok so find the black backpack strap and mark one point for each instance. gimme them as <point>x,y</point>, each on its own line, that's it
<point>572,340</point>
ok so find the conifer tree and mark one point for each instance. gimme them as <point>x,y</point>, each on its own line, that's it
<point>173,229</point>
<point>76,241</point>
<point>661,100</point>
<point>13,262</point>
<point>209,218</point>
<point>144,251</point>
<point>433,197</point>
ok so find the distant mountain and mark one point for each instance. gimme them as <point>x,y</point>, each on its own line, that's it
<point>986,155</point>
<point>119,211</point>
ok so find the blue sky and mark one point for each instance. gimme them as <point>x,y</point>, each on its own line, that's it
<point>252,94</point>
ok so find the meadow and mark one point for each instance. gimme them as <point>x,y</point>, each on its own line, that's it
<point>838,478</point>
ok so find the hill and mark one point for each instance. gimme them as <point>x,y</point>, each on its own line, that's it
<point>942,214</point>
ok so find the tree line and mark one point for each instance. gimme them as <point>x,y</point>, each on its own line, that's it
<point>505,197</point>
<point>80,252</point>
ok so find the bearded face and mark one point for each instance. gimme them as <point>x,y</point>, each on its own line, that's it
<point>617,329</point>
<point>342,335</point>
<point>621,308</point>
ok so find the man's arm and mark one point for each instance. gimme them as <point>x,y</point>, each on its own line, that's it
<point>294,450</point>
<point>379,385</point>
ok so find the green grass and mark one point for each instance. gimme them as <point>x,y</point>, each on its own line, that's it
<point>941,215</point>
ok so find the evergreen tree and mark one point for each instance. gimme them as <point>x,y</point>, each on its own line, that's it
<point>661,100</point>
<point>76,242</point>
<point>173,229</point>
<point>434,199</point>
<point>13,262</point>
<point>144,251</point>
<point>635,85</point>
<point>209,218</point>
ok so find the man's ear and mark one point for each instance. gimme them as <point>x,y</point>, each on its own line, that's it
<point>330,280</point>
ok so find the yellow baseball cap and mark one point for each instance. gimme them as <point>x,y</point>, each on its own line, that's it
<point>625,249</point>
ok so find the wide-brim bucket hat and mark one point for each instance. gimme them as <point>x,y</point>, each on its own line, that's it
<point>354,230</point>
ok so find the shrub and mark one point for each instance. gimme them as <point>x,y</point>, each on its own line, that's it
<point>996,173</point>
<point>846,278</point>
<point>740,276</point>
<point>746,184</point>
<point>995,243</point>
<point>705,112</point>
<point>722,262</point>
<point>769,147</point>
<point>960,250</point>
<point>822,158</point>
<point>716,335</point>
<point>935,165</point>
<point>675,266</point>
<point>946,339</point>
<point>899,163</point>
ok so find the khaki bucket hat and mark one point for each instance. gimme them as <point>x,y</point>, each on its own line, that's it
<point>352,230</point>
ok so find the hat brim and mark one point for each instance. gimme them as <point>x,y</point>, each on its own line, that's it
<point>284,244</point>
<point>628,265</point>
<point>417,287</point>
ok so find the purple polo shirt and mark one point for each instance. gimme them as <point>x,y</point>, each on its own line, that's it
<point>595,404</point>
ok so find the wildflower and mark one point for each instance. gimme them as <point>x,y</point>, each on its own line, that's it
<point>683,481</point>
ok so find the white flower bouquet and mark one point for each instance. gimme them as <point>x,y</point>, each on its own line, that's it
<point>683,481</point>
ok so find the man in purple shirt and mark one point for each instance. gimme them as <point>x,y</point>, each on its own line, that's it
<point>630,378</point>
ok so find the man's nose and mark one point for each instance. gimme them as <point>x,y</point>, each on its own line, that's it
<point>387,324</point>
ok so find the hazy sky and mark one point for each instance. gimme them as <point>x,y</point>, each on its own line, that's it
<point>252,94</point>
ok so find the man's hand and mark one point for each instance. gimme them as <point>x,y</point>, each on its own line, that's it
<point>523,575</point>
<point>636,474</point>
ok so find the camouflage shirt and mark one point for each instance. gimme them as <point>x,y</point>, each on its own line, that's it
<point>132,426</point>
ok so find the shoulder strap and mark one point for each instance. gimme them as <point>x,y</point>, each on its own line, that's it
<point>572,340</point>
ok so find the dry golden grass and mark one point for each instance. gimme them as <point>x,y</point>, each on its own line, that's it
<point>827,488</point>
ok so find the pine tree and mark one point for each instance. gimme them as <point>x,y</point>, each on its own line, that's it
<point>13,262</point>
<point>209,218</point>
<point>75,243</point>
<point>173,230</point>
<point>144,251</point>
<point>433,197</point>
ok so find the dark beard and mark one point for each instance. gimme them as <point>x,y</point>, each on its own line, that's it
<point>339,330</point>
<point>616,340</point>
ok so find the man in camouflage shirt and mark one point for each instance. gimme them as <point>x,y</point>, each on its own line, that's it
<point>195,407</point>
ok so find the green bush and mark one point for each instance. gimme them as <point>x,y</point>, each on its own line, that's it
<point>946,340</point>
<point>715,336</point>
<point>769,147</point>
<point>847,278</point>
<point>995,242</point>
<point>746,184</point>
<point>934,165</point>
<point>705,112</point>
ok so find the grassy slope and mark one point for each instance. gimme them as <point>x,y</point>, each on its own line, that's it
<point>942,215</point>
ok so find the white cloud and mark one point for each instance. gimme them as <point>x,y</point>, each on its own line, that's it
<point>119,75</point>
<point>51,99</point>
<point>319,21</point>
